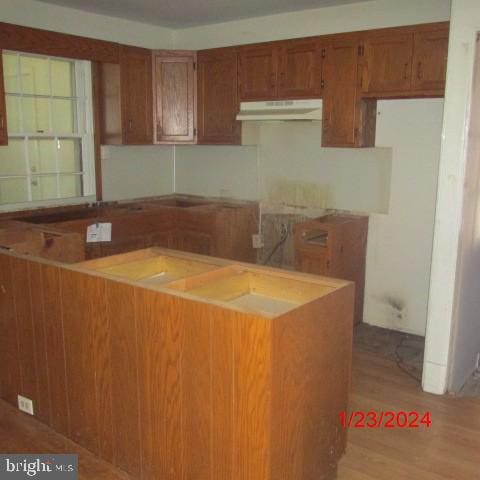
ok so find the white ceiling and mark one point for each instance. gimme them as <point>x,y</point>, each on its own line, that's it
<point>187,13</point>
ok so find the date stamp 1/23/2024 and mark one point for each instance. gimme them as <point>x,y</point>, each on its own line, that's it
<point>373,419</point>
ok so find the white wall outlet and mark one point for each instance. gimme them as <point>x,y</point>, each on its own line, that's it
<point>25,404</point>
<point>257,240</point>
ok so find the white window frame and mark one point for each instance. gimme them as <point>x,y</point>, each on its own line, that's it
<point>85,122</point>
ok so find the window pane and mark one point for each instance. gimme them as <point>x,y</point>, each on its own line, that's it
<point>44,188</point>
<point>13,190</point>
<point>12,158</point>
<point>13,114</point>
<point>10,73</point>
<point>69,153</point>
<point>41,154</point>
<point>64,116</point>
<point>35,75</point>
<point>36,115</point>
<point>63,78</point>
<point>71,186</point>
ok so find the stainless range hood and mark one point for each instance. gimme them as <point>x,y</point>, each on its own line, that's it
<point>281,110</point>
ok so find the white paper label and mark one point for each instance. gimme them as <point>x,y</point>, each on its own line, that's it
<point>99,232</point>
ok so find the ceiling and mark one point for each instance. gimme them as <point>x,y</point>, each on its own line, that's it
<point>187,13</point>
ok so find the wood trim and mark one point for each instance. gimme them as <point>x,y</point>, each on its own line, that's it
<point>97,128</point>
<point>3,107</point>
<point>46,42</point>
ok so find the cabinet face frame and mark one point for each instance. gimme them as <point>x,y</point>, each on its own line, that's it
<point>160,58</point>
<point>3,107</point>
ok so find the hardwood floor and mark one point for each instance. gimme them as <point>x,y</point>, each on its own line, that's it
<point>449,449</point>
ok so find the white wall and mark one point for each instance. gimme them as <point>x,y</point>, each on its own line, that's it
<point>137,171</point>
<point>345,18</point>
<point>400,243</point>
<point>129,172</point>
<point>465,23</point>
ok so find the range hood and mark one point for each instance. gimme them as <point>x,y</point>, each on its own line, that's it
<point>281,110</point>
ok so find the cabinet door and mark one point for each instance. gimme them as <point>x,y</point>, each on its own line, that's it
<point>3,108</point>
<point>430,60</point>
<point>217,97</point>
<point>300,69</point>
<point>174,92</point>
<point>136,95</point>
<point>258,72</point>
<point>387,63</point>
<point>340,102</point>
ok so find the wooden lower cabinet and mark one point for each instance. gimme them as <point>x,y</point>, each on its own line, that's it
<point>194,378</point>
<point>334,246</point>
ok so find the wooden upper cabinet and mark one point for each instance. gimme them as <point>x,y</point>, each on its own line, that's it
<point>430,60</point>
<point>387,63</point>
<point>348,121</point>
<point>174,89</point>
<point>258,72</point>
<point>300,69</point>
<point>125,98</point>
<point>136,85</point>
<point>405,62</point>
<point>3,108</point>
<point>217,97</point>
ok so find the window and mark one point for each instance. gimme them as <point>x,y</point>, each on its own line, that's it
<point>50,152</point>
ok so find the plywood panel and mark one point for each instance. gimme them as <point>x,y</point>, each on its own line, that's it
<point>25,334</point>
<point>87,367</point>
<point>55,348</point>
<point>222,371</point>
<point>197,391</point>
<point>310,385</point>
<point>125,400</point>
<point>252,398</point>
<point>160,331</point>
<point>42,400</point>
<point>9,369</point>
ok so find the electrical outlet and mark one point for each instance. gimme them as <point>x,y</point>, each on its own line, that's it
<point>25,404</point>
<point>257,240</point>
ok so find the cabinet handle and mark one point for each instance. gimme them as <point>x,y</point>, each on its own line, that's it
<point>2,122</point>
<point>130,125</point>
<point>322,83</point>
<point>405,75</point>
<point>420,70</point>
